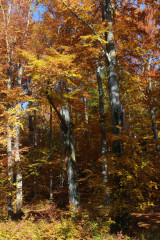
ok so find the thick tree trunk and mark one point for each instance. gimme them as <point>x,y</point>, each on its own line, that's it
<point>64,117</point>
<point>116,106</point>
<point>19,204</point>
<point>70,160</point>
<point>103,136</point>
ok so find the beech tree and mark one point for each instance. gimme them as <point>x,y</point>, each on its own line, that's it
<point>15,18</point>
<point>88,73</point>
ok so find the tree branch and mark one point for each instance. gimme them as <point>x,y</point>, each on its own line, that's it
<point>89,26</point>
<point>61,118</point>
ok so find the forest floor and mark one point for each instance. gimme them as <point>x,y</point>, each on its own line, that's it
<point>36,225</point>
<point>147,221</point>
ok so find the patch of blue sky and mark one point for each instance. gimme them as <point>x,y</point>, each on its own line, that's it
<point>142,6</point>
<point>24,105</point>
<point>37,14</point>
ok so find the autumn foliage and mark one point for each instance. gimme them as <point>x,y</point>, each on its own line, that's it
<point>57,116</point>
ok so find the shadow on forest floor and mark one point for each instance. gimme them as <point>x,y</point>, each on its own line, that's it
<point>147,221</point>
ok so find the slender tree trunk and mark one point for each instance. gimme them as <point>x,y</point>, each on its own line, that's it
<point>35,146</point>
<point>19,202</point>
<point>125,124</point>
<point>35,184</point>
<point>35,129</point>
<point>61,166</point>
<point>85,111</point>
<point>86,132</point>
<point>116,106</point>
<point>130,118</point>
<point>30,130</point>
<point>9,151</point>
<point>154,129</point>
<point>152,113</point>
<point>50,147</point>
<point>10,172</point>
<point>103,135</point>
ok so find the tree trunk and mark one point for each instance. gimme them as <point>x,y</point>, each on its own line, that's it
<point>64,117</point>
<point>103,135</point>
<point>154,129</point>
<point>61,166</point>
<point>85,111</point>
<point>125,124</point>
<point>116,106</point>
<point>35,129</point>
<point>70,160</point>
<point>30,130</point>
<point>9,152</point>
<point>19,203</point>
<point>50,147</point>
<point>10,172</point>
<point>35,146</point>
<point>152,113</point>
<point>35,184</point>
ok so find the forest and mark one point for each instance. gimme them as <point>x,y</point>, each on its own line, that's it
<point>79,118</point>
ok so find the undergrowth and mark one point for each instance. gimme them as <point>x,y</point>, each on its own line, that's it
<point>50,223</point>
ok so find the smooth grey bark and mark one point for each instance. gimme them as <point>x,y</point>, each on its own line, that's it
<point>103,135</point>
<point>110,53</point>
<point>70,158</point>
<point>19,201</point>
<point>85,111</point>
<point>6,13</point>
<point>116,106</point>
